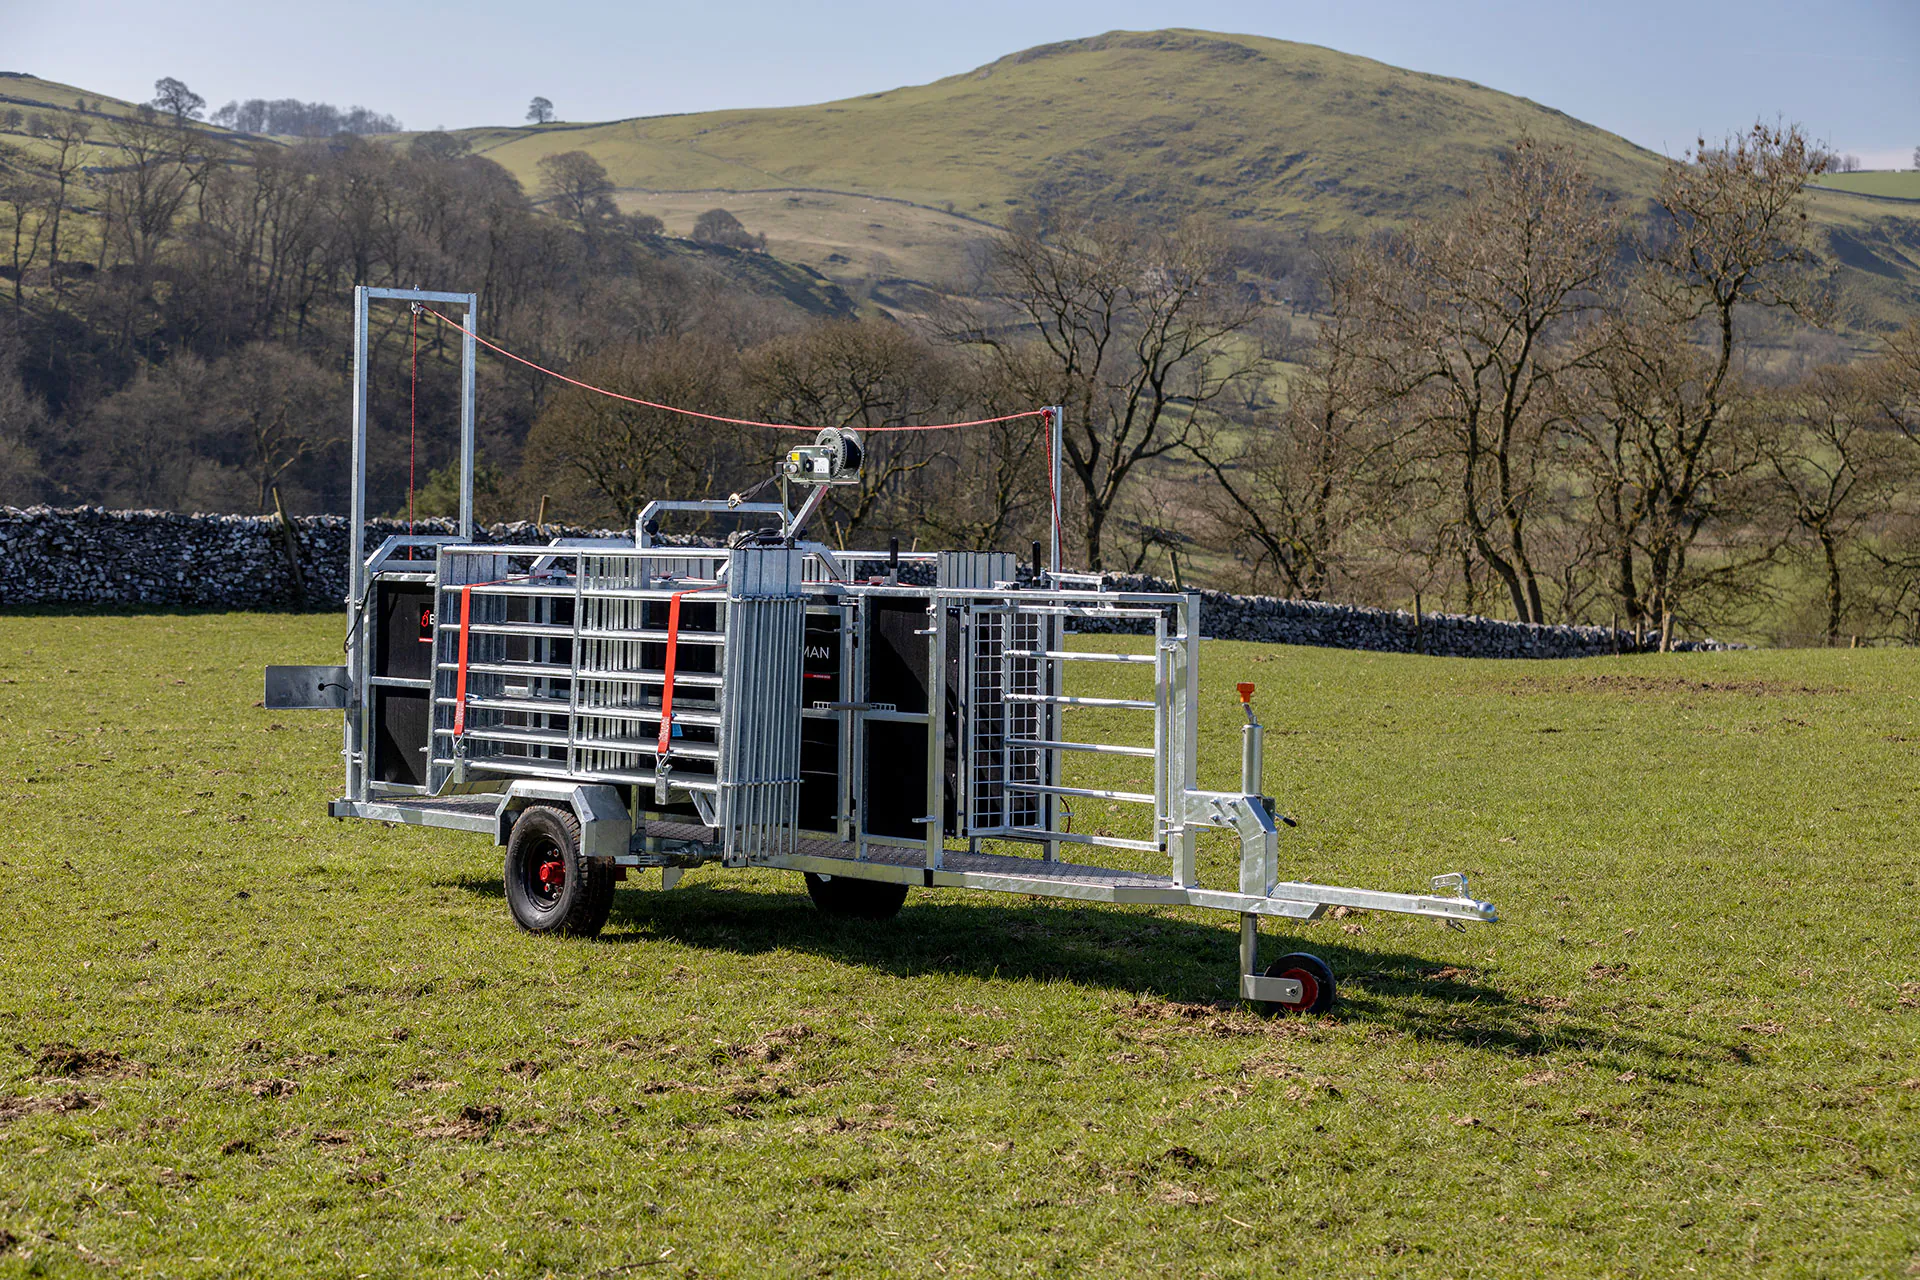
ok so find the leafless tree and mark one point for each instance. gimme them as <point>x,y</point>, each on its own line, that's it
<point>578,186</point>
<point>22,416</point>
<point>1290,490</point>
<point>1473,322</point>
<point>1132,329</point>
<point>24,195</point>
<point>1669,447</point>
<point>280,408</point>
<point>64,162</point>
<point>610,457</point>
<point>1835,468</point>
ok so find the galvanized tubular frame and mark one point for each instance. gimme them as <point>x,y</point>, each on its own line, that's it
<point>359,714</point>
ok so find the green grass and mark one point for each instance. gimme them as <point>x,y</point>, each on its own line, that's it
<point>1902,184</point>
<point>243,1039</point>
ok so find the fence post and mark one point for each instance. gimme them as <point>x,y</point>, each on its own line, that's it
<point>290,548</point>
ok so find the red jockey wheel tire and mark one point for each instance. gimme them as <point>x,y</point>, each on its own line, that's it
<point>1314,977</point>
<point>550,887</point>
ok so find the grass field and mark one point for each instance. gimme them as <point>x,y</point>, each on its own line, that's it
<point>1902,184</point>
<point>242,1039</point>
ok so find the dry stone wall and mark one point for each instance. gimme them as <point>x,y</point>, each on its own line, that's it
<point>161,559</point>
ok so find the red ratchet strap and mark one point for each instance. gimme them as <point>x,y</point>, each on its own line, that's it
<point>695,413</point>
<point>665,744</point>
<point>460,681</point>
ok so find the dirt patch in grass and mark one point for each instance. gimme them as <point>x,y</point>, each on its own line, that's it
<point>473,1123</point>
<point>62,1059</point>
<point>1621,685</point>
<point>53,1104</point>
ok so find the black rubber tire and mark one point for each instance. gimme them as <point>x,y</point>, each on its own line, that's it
<point>856,899</point>
<point>573,896</point>
<point>1315,977</point>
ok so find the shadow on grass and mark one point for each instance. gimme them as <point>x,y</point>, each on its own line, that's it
<point>1135,951</point>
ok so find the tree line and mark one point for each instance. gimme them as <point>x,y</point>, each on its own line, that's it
<point>1547,405</point>
<point>1548,402</point>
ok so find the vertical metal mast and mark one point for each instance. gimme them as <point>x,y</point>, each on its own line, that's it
<point>1055,415</point>
<point>363,295</point>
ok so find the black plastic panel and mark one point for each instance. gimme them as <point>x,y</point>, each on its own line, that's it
<point>896,790</point>
<point>400,734</point>
<point>897,658</point>
<point>820,775</point>
<point>404,616</point>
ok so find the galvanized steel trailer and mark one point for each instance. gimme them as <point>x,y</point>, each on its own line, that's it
<point>599,707</point>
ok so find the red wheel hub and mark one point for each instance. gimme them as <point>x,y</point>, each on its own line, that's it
<point>552,874</point>
<point>1309,988</point>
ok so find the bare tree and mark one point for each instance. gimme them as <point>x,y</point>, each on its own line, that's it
<point>1475,319</point>
<point>22,415</point>
<point>1131,329</point>
<point>1291,490</point>
<point>23,198</point>
<point>279,408</point>
<point>173,97</point>
<point>610,457</point>
<point>988,487</point>
<point>1668,447</point>
<point>578,186</point>
<point>143,197</point>
<point>145,441</point>
<point>1834,467</point>
<point>540,111</point>
<point>65,161</point>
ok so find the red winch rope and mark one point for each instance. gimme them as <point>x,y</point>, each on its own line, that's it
<point>709,417</point>
<point>413,421</point>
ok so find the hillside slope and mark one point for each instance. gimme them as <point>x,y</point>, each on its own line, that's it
<point>1160,122</point>
<point>1164,120</point>
<point>890,192</point>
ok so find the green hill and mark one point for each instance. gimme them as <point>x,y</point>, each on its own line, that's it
<point>886,193</point>
<point>1161,122</point>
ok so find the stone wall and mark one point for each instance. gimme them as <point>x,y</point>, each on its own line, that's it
<point>1276,620</point>
<point>91,556</point>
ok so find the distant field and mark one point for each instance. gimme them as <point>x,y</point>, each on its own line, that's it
<point>1902,184</point>
<point>880,247</point>
<point>244,1040</point>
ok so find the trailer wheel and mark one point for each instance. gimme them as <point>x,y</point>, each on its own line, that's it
<point>1314,977</point>
<point>550,887</point>
<point>856,899</point>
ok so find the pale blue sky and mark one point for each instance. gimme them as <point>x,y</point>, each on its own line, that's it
<point>1658,72</point>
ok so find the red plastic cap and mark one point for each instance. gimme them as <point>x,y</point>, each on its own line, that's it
<point>1246,690</point>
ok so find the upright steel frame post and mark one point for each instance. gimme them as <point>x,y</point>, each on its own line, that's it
<point>1056,414</point>
<point>363,296</point>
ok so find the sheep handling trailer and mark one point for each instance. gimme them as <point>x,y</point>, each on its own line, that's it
<point>599,707</point>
